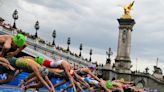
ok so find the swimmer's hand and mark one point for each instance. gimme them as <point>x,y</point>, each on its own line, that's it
<point>8,66</point>
<point>52,90</point>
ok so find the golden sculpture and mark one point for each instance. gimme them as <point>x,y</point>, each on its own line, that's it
<point>127,10</point>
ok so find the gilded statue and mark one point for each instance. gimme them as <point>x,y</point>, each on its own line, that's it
<point>127,10</point>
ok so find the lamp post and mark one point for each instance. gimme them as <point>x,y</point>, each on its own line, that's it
<point>15,17</point>
<point>68,42</point>
<point>54,36</point>
<point>147,70</point>
<point>90,53</point>
<point>109,53</point>
<point>36,28</point>
<point>81,48</point>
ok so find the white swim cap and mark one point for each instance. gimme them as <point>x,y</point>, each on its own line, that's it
<point>44,71</point>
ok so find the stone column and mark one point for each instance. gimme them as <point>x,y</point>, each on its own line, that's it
<point>123,61</point>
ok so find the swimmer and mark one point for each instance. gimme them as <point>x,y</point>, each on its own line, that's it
<point>87,72</point>
<point>12,45</point>
<point>53,73</point>
<point>44,73</point>
<point>27,64</point>
<point>57,64</point>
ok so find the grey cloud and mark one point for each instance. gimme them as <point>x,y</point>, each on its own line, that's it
<point>94,23</point>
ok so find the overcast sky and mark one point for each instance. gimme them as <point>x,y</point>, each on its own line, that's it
<point>94,23</point>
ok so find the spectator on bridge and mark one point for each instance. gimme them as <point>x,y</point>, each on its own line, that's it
<point>12,45</point>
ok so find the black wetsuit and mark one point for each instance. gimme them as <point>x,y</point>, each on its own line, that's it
<point>4,70</point>
<point>61,75</point>
<point>81,73</point>
<point>12,61</point>
<point>10,50</point>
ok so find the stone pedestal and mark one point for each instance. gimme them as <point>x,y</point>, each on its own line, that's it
<point>107,66</point>
<point>158,73</point>
<point>123,61</point>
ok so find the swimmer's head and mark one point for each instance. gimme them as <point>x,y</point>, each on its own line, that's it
<point>75,66</point>
<point>108,84</point>
<point>72,72</point>
<point>44,71</point>
<point>91,67</point>
<point>39,60</point>
<point>19,40</point>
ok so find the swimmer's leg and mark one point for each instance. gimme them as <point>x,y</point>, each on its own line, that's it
<point>66,67</point>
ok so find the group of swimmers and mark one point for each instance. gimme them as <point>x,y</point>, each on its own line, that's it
<point>42,70</point>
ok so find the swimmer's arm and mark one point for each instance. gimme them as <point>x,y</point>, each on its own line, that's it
<point>6,46</point>
<point>30,76</point>
<point>30,80</point>
<point>8,66</point>
<point>50,83</point>
<point>17,72</point>
<point>61,83</point>
<point>69,86</point>
<point>129,82</point>
<point>19,49</point>
<point>81,81</point>
<point>6,63</point>
<point>115,84</point>
<point>78,85</point>
<point>3,64</point>
<point>92,75</point>
<point>38,75</point>
<point>4,60</point>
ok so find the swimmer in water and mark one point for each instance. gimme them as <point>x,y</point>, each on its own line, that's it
<point>53,73</point>
<point>57,64</point>
<point>12,45</point>
<point>27,64</point>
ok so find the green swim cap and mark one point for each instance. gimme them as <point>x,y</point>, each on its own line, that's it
<point>19,40</point>
<point>108,84</point>
<point>39,60</point>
